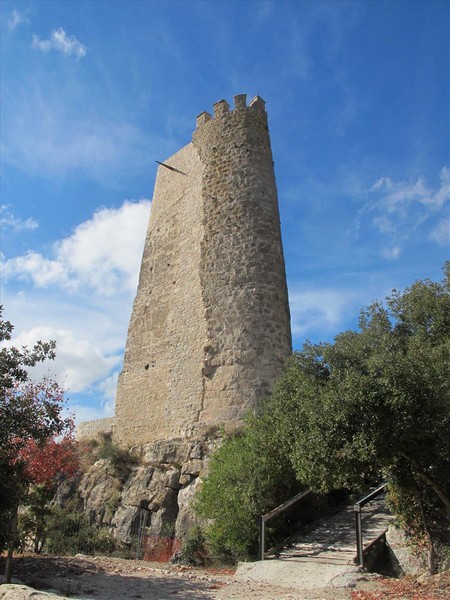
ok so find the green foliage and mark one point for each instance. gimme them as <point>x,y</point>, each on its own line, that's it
<point>70,532</point>
<point>33,521</point>
<point>193,550</point>
<point>248,476</point>
<point>382,404</point>
<point>111,505</point>
<point>103,448</point>
<point>381,397</point>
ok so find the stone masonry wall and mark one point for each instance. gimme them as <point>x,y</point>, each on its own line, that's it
<point>210,326</point>
<point>160,389</point>
<point>242,266</point>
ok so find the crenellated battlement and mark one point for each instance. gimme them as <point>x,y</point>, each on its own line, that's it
<point>222,108</point>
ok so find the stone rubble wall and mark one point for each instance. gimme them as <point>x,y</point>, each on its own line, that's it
<point>91,429</point>
<point>409,563</point>
<point>210,327</point>
<point>160,389</point>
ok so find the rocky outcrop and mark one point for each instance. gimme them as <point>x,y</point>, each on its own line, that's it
<point>101,489</point>
<point>157,493</point>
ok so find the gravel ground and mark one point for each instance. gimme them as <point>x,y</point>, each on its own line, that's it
<point>98,578</point>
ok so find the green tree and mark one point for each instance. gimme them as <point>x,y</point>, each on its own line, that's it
<point>378,401</point>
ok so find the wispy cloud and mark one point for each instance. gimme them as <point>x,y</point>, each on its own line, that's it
<point>46,133</point>
<point>323,309</point>
<point>9,221</point>
<point>103,254</point>
<point>398,196</point>
<point>391,253</point>
<point>396,210</point>
<point>441,233</point>
<point>61,42</point>
<point>17,18</point>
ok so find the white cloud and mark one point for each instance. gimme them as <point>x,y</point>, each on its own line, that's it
<point>61,42</point>
<point>78,365</point>
<point>103,254</point>
<point>400,195</point>
<point>17,18</point>
<point>90,333</point>
<point>42,271</point>
<point>108,387</point>
<point>400,209</point>
<point>8,220</point>
<point>319,309</point>
<point>101,261</point>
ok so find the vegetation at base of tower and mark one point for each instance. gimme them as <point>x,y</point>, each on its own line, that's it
<point>248,475</point>
<point>70,531</point>
<point>375,403</point>
<point>30,420</point>
<point>122,459</point>
<point>44,468</point>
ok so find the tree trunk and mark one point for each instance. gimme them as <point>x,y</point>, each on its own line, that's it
<point>12,536</point>
<point>431,555</point>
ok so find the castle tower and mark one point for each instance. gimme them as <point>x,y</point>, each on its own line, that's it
<point>210,327</point>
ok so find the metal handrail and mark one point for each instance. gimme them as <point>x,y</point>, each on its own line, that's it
<point>273,513</point>
<point>358,521</point>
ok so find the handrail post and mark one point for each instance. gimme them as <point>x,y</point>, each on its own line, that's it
<point>358,521</point>
<point>270,515</point>
<point>262,537</point>
<point>359,537</point>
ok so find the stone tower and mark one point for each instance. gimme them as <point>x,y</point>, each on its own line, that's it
<point>210,327</point>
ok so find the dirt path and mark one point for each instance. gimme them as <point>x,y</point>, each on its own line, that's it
<point>91,578</point>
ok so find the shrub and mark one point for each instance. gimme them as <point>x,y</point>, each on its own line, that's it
<point>70,533</point>
<point>193,550</point>
<point>248,476</point>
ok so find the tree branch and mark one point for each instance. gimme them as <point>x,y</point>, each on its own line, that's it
<point>429,481</point>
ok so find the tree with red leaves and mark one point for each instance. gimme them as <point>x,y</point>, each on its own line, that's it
<point>44,467</point>
<point>31,417</point>
<point>48,464</point>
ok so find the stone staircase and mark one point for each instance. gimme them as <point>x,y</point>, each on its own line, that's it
<point>324,556</point>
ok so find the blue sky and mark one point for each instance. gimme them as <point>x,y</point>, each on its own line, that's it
<point>94,92</point>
